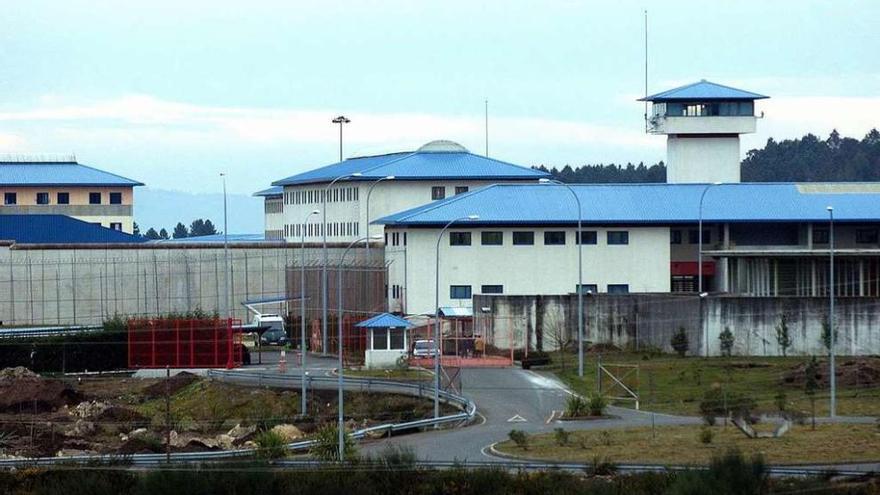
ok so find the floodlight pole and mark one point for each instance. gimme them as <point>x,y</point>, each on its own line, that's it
<point>833,340</point>
<point>370,192</point>
<point>226,309</point>
<point>302,309</point>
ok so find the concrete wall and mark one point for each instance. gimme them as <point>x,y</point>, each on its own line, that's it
<point>640,321</point>
<point>702,159</point>
<point>47,285</point>
<point>529,269</point>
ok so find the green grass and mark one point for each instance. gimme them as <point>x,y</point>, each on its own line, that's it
<point>682,445</point>
<point>676,385</point>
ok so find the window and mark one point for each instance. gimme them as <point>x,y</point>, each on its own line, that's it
<point>820,236</point>
<point>674,237</point>
<point>618,237</point>
<point>116,226</point>
<point>492,238</point>
<point>63,198</point>
<point>116,198</point>
<point>380,339</point>
<point>459,238</point>
<point>10,198</point>
<point>43,198</point>
<point>94,198</point>
<point>866,236</point>
<point>588,288</point>
<point>618,288</point>
<point>459,291</point>
<point>523,238</point>
<point>692,236</point>
<point>554,238</point>
<point>438,192</point>
<point>588,237</point>
<point>461,189</point>
<point>397,339</point>
<point>492,289</point>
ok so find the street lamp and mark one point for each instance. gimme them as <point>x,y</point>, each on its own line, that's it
<point>438,349</point>
<point>369,192</point>
<point>700,238</point>
<point>324,195</point>
<point>226,309</point>
<point>302,307</point>
<point>580,286</point>
<point>341,120</point>
<point>832,336</point>
<point>341,425</point>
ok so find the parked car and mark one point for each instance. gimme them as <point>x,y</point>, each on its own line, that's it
<point>424,348</point>
<point>274,336</point>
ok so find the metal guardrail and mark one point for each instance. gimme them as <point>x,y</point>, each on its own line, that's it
<point>467,406</point>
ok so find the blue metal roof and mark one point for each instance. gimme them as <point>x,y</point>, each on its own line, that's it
<point>271,192</point>
<point>384,320</point>
<point>454,162</point>
<point>58,229</point>
<point>58,174</point>
<point>535,204</point>
<point>703,90</point>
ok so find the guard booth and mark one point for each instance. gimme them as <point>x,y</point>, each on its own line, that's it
<point>386,340</point>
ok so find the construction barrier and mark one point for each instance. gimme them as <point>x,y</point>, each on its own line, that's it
<point>184,343</point>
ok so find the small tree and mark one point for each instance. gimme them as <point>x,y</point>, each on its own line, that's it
<point>826,334</point>
<point>680,342</point>
<point>180,231</point>
<point>557,335</point>
<point>726,339</point>
<point>326,446</point>
<point>163,234</point>
<point>520,438</point>
<point>811,385</point>
<point>783,336</point>
<point>136,229</point>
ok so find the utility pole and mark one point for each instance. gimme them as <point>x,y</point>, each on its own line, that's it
<point>833,340</point>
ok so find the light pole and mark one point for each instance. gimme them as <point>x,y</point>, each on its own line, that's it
<point>225,254</point>
<point>341,120</point>
<point>580,286</point>
<point>369,192</point>
<point>324,195</point>
<point>832,337</point>
<point>302,308</point>
<point>341,424</point>
<point>700,238</point>
<point>438,348</point>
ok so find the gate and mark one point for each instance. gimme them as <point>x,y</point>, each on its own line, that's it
<point>624,381</point>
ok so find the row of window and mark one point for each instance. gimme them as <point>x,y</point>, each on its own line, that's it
<point>271,206</point>
<point>465,291</point>
<point>314,196</point>
<point>397,239</point>
<point>675,236</point>
<point>62,198</point>
<point>863,236</point>
<point>439,192</point>
<point>334,229</point>
<point>551,238</point>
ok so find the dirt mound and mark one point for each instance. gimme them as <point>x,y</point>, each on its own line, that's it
<point>122,415</point>
<point>21,390</point>
<point>849,373</point>
<point>175,384</point>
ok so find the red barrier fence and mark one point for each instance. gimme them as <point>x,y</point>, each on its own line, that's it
<point>184,343</point>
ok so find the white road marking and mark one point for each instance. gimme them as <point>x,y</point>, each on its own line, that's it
<point>552,416</point>
<point>517,419</point>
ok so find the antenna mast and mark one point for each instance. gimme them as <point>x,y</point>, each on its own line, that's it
<point>646,71</point>
<point>487,126</point>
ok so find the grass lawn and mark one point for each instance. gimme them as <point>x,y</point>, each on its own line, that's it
<point>676,385</point>
<point>414,374</point>
<point>681,445</point>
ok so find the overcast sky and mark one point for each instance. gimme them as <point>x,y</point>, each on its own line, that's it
<point>173,92</point>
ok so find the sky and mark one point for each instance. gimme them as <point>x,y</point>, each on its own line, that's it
<point>173,93</point>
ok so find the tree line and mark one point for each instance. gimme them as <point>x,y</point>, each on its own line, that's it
<point>806,159</point>
<point>198,227</point>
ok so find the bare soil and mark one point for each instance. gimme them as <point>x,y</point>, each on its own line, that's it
<point>848,372</point>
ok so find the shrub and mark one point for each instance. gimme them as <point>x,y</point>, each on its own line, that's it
<point>576,406</point>
<point>561,436</point>
<point>706,435</point>
<point>726,337</point>
<point>597,405</point>
<point>326,446</point>
<point>680,342</point>
<point>730,473</point>
<point>520,438</point>
<point>601,466</point>
<point>718,403</point>
<point>606,438</point>
<point>780,399</point>
<point>270,445</point>
<point>395,457</point>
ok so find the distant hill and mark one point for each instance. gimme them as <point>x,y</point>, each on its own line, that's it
<point>159,208</point>
<point>808,159</point>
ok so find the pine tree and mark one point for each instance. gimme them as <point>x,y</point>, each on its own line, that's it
<point>209,228</point>
<point>136,230</point>
<point>180,231</point>
<point>163,234</point>
<point>197,228</point>
<point>152,234</point>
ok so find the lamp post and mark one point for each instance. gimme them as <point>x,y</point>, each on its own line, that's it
<point>341,120</point>
<point>369,192</point>
<point>700,238</point>
<point>302,308</point>
<point>580,286</point>
<point>832,337</point>
<point>438,349</point>
<point>324,195</point>
<point>341,424</point>
<point>226,309</point>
